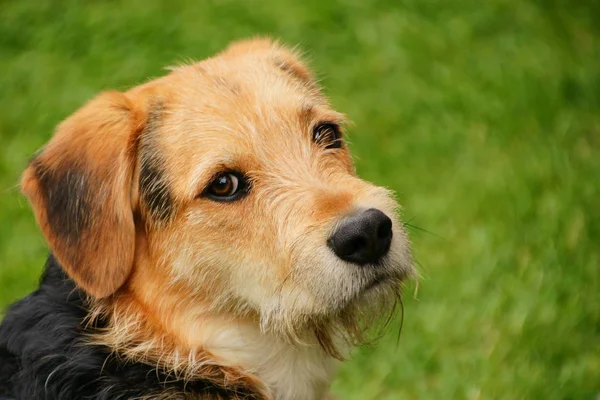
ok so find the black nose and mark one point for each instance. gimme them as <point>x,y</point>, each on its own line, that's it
<point>362,238</point>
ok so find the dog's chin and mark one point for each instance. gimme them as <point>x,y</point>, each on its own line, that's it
<point>345,322</point>
<point>375,300</point>
<point>373,293</point>
<point>379,283</point>
<point>378,295</point>
<point>363,319</point>
<point>341,309</point>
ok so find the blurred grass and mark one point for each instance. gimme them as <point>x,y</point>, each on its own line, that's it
<point>483,116</point>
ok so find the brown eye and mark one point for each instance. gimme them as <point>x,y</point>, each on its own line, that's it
<point>328,135</point>
<point>227,186</point>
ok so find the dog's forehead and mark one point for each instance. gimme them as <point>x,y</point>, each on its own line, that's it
<point>246,95</point>
<point>246,114</point>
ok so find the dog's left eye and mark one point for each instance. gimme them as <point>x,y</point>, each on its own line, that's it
<point>227,186</point>
<point>328,135</point>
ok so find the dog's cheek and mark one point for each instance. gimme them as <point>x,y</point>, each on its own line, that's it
<point>210,247</point>
<point>308,277</point>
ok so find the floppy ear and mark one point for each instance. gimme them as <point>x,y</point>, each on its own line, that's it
<point>80,188</point>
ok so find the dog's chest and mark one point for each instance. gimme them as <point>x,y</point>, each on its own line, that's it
<point>291,372</point>
<point>298,373</point>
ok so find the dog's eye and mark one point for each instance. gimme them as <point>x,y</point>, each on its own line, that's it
<point>227,186</point>
<point>328,135</point>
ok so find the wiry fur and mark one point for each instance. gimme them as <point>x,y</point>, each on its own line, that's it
<point>44,354</point>
<point>172,294</point>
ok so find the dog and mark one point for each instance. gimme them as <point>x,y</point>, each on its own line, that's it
<point>209,239</point>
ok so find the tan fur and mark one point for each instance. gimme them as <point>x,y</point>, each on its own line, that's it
<point>107,162</point>
<point>244,293</point>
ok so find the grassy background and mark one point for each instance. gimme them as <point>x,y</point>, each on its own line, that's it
<point>483,116</point>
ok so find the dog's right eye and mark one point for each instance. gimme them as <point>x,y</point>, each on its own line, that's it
<point>328,135</point>
<point>227,186</point>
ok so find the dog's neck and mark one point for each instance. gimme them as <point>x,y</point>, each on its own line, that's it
<point>154,325</point>
<point>290,371</point>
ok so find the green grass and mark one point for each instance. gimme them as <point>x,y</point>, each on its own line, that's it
<point>483,116</point>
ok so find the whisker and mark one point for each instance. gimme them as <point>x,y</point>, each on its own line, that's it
<point>406,223</point>
<point>409,225</point>
<point>401,320</point>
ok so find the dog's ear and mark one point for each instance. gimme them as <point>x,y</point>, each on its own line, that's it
<point>80,188</point>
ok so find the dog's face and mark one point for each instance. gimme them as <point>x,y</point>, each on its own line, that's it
<point>235,175</point>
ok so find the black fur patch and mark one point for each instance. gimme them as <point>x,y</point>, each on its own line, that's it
<point>66,194</point>
<point>154,184</point>
<point>43,354</point>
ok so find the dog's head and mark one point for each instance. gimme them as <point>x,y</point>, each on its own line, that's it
<point>230,180</point>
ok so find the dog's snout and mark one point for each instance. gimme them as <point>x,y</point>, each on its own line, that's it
<point>362,238</point>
